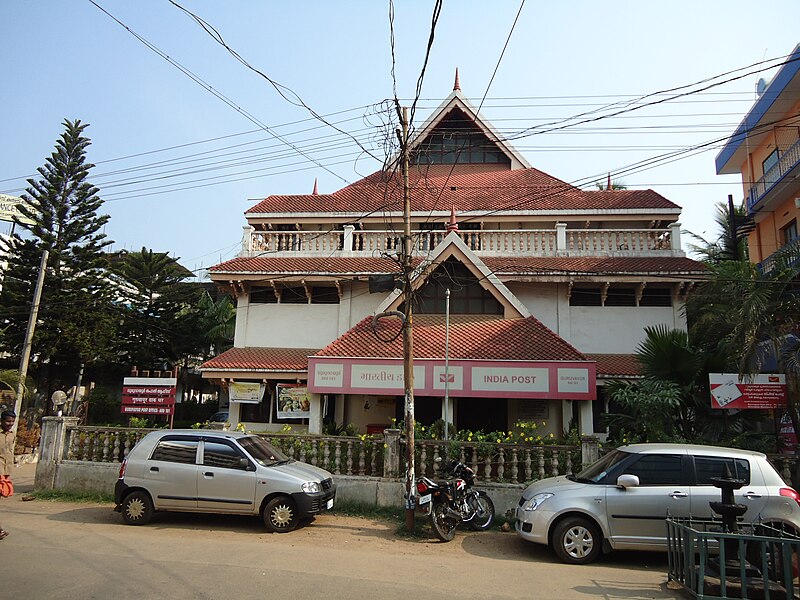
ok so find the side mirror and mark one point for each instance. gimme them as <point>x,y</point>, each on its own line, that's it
<point>244,464</point>
<point>627,480</point>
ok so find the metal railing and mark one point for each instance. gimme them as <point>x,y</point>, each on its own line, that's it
<point>788,160</point>
<point>757,562</point>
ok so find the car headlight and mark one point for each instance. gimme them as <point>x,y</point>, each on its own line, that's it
<point>536,501</point>
<point>312,487</point>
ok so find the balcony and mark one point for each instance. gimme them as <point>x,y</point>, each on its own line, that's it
<point>559,241</point>
<point>788,162</point>
<point>786,257</point>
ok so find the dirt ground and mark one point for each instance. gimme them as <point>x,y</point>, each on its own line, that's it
<point>202,556</point>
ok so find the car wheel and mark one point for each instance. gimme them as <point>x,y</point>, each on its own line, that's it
<point>577,541</point>
<point>137,508</point>
<point>280,515</point>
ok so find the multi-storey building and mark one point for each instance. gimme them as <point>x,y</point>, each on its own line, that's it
<point>765,149</point>
<point>528,292</point>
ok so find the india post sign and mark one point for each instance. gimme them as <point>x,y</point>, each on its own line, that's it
<point>148,395</point>
<point>729,390</point>
<point>566,380</point>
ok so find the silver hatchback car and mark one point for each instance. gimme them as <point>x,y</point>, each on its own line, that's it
<point>621,501</point>
<point>219,472</point>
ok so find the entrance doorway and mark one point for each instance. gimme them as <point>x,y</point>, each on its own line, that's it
<point>487,414</point>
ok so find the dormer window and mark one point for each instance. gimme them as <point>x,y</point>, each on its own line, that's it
<point>458,140</point>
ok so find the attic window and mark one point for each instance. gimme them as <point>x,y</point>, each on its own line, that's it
<point>457,139</point>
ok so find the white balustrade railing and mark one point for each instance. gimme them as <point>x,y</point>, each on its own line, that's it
<point>520,242</point>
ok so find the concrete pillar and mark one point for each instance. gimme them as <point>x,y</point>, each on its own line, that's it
<point>566,415</point>
<point>347,241</point>
<point>51,449</point>
<point>586,417</point>
<point>561,237</point>
<point>391,453</point>
<point>590,450</point>
<point>675,238</point>
<point>315,416</point>
<point>247,239</point>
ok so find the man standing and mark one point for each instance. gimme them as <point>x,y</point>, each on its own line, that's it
<point>7,418</point>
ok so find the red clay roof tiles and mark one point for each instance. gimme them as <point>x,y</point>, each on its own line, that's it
<point>471,337</point>
<point>466,188</point>
<point>616,365</point>
<point>261,359</point>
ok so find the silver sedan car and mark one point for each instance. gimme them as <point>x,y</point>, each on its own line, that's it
<point>622,500</point>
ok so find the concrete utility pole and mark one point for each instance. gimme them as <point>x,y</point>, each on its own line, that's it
<point>26,347</point>
<point>408,338</point>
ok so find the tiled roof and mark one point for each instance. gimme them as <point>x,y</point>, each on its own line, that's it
<point>509,265</point>
<point>476,337</point>
<point>504,266</point>
<point>468,189</point>
<point>616,365</point>
<point>324,265</point>
<point>261,359</point>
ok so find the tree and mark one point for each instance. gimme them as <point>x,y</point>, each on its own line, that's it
<point>75,321</point>
<point>157,326</point>
<point>218,320</point>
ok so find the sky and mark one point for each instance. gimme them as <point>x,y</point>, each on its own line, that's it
<point>182,151</point>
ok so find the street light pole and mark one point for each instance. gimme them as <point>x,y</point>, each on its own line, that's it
<point>26,347</point>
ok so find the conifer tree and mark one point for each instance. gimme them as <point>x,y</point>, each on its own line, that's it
<point>75,314</point>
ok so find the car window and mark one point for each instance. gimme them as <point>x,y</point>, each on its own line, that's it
<point>262,451</point>
<point>706,467</point>
<point>217,454</point>
<point>657,469</point>
<point>176,450</point>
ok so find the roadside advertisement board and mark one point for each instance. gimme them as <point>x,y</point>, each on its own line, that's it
<point>293,401</point>
<point>9,208</point>
<point>148,395</point>
<point>729,390</point>
<point>246,392</point>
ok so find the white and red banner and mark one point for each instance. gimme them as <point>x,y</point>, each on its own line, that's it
<point>729,390</point>
<point>148,395</point>
<point>567,380</point>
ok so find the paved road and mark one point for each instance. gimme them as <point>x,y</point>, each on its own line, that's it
<point>59,549</point>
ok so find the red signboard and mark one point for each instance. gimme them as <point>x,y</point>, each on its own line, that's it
<point>728,390</point>
<point>148,395</point>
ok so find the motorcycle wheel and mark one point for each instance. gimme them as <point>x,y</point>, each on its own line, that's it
<point>444,526</point>
<point>484,516</point>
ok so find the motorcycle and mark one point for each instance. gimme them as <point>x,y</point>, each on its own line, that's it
<point>454,501</point>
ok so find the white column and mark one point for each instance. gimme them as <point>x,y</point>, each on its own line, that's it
<point>566,415</point>
<point>586,417</point>
<point>247,239</point>
<point>675,237</point>
<point>347,243</point>
<point>315,417</point>
<point>561,237</point>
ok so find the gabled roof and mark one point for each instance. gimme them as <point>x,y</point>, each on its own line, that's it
<point>474,190</point>
<point>453,246</point>
<point>457,101</point>
<point>476,337</point>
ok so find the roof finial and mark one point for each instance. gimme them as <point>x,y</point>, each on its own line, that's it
<point>452,225</point>
<point>608,185</point>
<point>457,84</point>
<point>315,192</point>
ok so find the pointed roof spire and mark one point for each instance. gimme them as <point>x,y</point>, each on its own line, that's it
<point>453,224</point>
<point>608,185</point>
<point>315,192</point>
<point>457,84</point>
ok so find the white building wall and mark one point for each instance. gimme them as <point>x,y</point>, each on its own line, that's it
<point>302,325</point>
<point>616,329</point>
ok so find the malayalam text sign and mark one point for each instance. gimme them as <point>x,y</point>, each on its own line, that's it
<point>148,395</point>
<point>729,390</point>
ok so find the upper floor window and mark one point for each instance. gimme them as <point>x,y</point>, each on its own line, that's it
<point>789,233</point>
<point>262,295</point>
<point>770,161</point>
<point>458,140</point>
